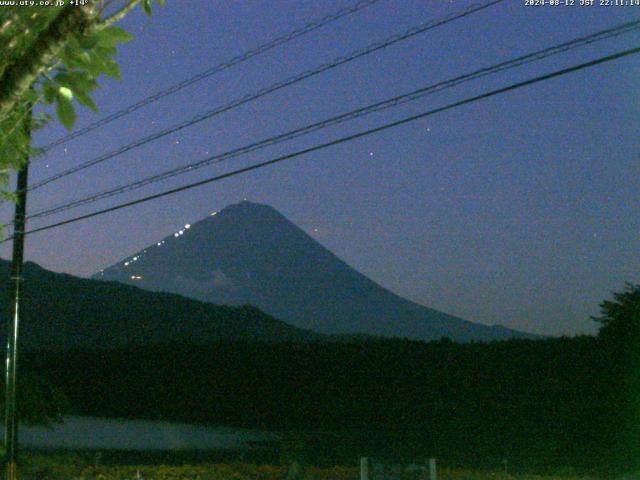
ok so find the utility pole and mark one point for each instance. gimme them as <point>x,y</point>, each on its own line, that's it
<point>10,418</point>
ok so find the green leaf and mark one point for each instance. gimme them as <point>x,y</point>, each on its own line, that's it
<point>77,81</point>
<point>8,196</point>
<point>36,152</point>
<point>111,68</point>
<point>66,93</point>
<point>77,59</point>
<point>102,63</point>
<point>86,100</point>
<point>40,120</point>
<point>49,91</point>
<point>88,41</point>
<point>64,80</point>
<point>105,51</point>
<point>112,35</point>
<point>65,111</point>
<point>30,96</point>
<point>146,6</point>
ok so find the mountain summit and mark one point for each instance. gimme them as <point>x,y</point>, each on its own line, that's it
<point>251,254</point>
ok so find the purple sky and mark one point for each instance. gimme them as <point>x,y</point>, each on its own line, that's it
<point>521,210</point>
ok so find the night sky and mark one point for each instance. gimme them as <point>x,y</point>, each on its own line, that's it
<point>522,209</point>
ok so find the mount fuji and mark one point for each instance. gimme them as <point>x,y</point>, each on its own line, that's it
<point>249,253</point>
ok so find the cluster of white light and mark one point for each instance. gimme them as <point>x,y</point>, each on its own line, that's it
<point>181,231</point>
<point>134,259</point>
<point>187,226</point>
<point>213,214</point>
<point>136,277</point>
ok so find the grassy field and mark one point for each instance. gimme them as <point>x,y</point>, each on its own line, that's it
<point>79,467</point>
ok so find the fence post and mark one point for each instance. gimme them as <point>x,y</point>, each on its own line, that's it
<point>433,474</point>
<point>364,468</point>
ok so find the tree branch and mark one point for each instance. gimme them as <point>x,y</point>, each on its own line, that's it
<point>18,77</point>
<point>117,16</point>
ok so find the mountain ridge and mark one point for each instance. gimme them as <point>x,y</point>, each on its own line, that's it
<point>250,253</point>
<point>60,311</point>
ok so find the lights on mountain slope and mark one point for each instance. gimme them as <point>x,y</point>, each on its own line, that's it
<point>180,232</point>
<point>136,277</point>
<point>134,259</point>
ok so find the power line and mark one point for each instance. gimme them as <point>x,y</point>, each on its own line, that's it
<point>423,27</point>
<point>372,108</point>
<point>270,45</point>
<point>338,141</point>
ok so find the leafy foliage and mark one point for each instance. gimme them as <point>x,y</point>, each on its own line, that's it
<point>539,403</point>
<point>82,61</point>
<point>620,342</point>
<point>65,75</point>
<point>39,402</point>
<point>620,317</point>
<point>556,402</point>
<point>547,403</point>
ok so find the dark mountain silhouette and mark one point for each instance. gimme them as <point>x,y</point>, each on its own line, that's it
<point>61,311</point>
<point>250,254</point>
